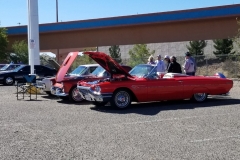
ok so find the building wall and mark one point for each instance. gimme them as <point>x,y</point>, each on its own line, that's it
<point>171,49</point>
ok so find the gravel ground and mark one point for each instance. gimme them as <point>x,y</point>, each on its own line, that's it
<point>48,128</point>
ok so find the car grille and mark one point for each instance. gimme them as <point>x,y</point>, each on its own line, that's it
<point>84,91</point>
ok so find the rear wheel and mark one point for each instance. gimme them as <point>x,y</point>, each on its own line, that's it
<point>74,95</point>
<point>121,99</point>
<point>9,81</point>
<point>199,97</point>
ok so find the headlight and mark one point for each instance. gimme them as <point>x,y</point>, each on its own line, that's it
<point>98,89</point>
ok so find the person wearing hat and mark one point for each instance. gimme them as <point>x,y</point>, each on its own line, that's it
<point>174,66</point>
<point>160,66</point>
<point>188,66</point>
<point>167,62</point>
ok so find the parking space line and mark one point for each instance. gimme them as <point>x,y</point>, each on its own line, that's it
<point>214,139</point>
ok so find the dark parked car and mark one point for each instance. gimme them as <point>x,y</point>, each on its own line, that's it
<point>9,67</point>
<point>9,78</point>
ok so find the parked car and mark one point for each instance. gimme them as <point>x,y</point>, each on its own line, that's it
<point>9,67</point>
<point>140,86</point>
<point>9,78</point>
<point>46,82</point>
<point>68,86</point>
<point>81,70</point>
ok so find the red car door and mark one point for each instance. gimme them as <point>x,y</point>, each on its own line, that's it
<point>164,89</point>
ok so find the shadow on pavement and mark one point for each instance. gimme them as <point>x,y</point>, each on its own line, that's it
<point>153,108</point>
<point>50,97</point>
<point>75,103</point>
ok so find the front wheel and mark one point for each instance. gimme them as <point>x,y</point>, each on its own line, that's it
<point>199,97</point>
<point>74,95</point>
<point>9,81</point>
<point>121,99</point>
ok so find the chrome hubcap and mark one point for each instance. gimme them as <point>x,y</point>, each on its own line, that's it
<point>9,80</point>
<point>76,96</point>
<point>200,96</point>
<point>122,99</point>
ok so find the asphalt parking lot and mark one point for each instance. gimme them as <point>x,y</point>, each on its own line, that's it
<point>49,128</point>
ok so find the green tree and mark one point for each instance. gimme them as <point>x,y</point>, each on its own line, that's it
<point>223,47</point>
<point>83,59</point>
<point>20,50</point>
<point>197,47</point>
<point>139,54</point>
<point>3,45</point>
<point>115,53</point>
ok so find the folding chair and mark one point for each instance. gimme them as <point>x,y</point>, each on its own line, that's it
<point>26,86</point>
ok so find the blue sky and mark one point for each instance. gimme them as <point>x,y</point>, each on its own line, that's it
<point>13,12</point>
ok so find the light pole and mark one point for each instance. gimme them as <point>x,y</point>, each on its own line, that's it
<point>57,22</point>
<point>33,34</point>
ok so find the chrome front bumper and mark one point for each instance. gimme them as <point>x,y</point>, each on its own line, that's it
<point>40,84</point>
<point>90,95</point>
<point>58,92</point>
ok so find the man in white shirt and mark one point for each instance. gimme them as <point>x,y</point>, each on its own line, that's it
<point>189,66</point>
<point>160,66</point>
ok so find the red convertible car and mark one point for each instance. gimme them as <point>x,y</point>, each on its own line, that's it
<point>142,84</point>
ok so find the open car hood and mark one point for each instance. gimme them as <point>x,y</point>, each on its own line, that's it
<point>54,64</point>
<point>66,65</point>
<point>107,63</point>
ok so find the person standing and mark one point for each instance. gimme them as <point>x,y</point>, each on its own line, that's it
<point>160,65</point>
<point>167,62</point>
<point>194,61</point>
<point>188,66</point>
<point>151,60</point>
<point>174,66</point>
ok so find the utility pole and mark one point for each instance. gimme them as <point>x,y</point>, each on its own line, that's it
<point>57,10</point>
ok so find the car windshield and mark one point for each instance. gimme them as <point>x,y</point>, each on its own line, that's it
<point>153,74</point>
<point>141,70</point>
<point>78,71</point>
<point>4,67</point>
<point>99,71</point>
<point>9,67</point>
<point>18,68</point>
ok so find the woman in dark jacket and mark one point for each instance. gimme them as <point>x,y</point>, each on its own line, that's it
<point>174,67</point>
